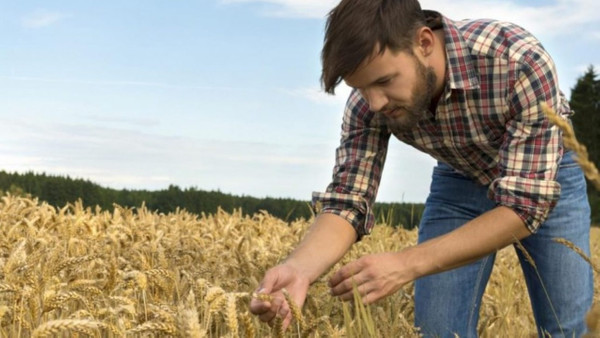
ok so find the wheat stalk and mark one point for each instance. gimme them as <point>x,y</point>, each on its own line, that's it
<point>278,327</point>
<point>231,314</point>
<point>262,296</point>
<point>154,326</point>
<point>296,312</point>
<point>54,327</point>
<point>577,250</point>
<point>249,329</point>
<point>525,253</point>
<point>162,274</point>
<point>71,262</point>
<point>571,142</point>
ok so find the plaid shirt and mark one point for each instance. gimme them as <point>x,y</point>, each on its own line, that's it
<point>488,125</point>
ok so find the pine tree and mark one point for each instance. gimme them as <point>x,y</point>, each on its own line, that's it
<point>585,101</point>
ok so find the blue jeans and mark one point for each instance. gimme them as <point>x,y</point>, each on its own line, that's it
<point>448,302</point>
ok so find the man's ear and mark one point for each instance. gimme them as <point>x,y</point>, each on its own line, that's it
<point>424,40</point>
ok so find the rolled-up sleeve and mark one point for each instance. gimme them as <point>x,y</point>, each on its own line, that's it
<point>359,163</point>
<point>532,148</point>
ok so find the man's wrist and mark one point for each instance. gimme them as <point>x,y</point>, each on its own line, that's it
<point>302,270</point>
<point>415,258</point>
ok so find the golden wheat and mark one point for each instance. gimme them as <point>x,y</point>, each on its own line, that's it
<point>85,271</point>
<point>296,311</point>
<point>54,327</point>
<point>163,328</point>
<point>231,314</point>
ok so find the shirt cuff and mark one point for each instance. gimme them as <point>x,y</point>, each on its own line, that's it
<point>531,199</point>
<point>353,208</point>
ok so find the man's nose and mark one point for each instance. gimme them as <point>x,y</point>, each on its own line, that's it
<point>377,99</point>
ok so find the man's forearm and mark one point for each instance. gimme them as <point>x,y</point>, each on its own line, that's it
<point>483,235</point>
<point>327,240</point>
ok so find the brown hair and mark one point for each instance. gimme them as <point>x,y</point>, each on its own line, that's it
<point>355,27</point>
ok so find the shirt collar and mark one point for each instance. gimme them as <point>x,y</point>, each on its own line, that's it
<point>461,73</point>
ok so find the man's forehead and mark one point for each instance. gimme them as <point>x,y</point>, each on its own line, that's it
<point>370,70</point>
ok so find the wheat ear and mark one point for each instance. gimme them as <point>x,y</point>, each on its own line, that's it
<point>570,141</point>
<point>231,314</point>
<point>54,327</point>
<point>578,251</point>
<point>296,312</point>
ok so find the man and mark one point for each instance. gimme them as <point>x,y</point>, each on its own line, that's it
<point>468,93</point>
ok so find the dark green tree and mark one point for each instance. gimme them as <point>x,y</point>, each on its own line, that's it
<point>585,101</point>
<point>58,190</point>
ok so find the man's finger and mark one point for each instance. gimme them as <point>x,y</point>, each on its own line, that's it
<point>287,320</point>
<point>283,311</point>
<point>261,298</point>
<point>259,307</point>
<point>344,273</point>
<point>345,286</point>
<point>267,316</point>
<point>275,306</point>
<point>363,290</point>
<point>267,284</point>
<point>371,297</point>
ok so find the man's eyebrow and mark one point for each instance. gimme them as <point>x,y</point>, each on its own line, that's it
<point>377,80</point>
<point>382,78</point>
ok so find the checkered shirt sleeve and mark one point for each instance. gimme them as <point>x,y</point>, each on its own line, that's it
<point>359,163</point>
<point>532,149</point>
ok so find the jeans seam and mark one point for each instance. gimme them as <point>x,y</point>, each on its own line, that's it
<point>476,293</point>
<point>568,165</point>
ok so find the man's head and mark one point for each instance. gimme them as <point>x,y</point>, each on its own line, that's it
<point>398,85</point>
<point>357,28</point>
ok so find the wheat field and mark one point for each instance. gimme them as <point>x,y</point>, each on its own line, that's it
<point>86,272</point>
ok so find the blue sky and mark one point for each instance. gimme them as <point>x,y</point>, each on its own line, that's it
<point>216,94</point>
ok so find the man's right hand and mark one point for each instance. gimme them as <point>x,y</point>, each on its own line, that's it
<point>276,279</point>
<point>327,240</point>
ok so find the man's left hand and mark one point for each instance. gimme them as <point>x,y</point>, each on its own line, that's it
<point>374,276</point>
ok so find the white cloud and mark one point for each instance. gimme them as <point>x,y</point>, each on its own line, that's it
<point>559,17</point>
<point>19,162</point>
<point>317,95</point>
<point>595,35</point>
<point>129,159</point>
<point>118,83</point>
<point>293,8</point>
<point>556,18</point>
<point>133,159</point>
<point>123,120</point>
<point>41,18</point>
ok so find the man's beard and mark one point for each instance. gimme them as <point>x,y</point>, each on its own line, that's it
<point>421,100</point>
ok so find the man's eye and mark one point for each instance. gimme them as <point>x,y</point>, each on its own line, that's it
<point>383,81</point>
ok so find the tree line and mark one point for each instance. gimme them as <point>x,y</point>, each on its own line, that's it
<point>585,102</point>
<point>60,190</point>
